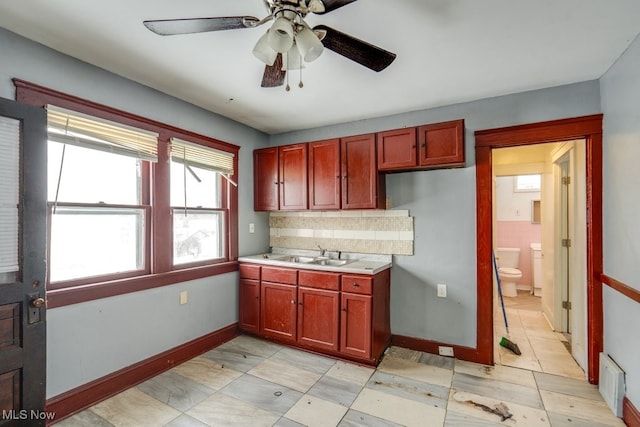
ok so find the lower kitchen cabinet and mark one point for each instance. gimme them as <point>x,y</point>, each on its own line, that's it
<point>342,315</point>
<point>355,324</point>
<point>278,310</point>
<point>249,298</point>
<point>318,318</point>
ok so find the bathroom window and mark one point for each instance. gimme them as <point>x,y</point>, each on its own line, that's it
<point>523,183</point>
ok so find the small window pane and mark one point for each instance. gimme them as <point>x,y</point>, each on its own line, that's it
<point>202,186</point>
<point>527,183</point>
<point>197,236</point>
<point>92,176</point>
<point>88,242</point>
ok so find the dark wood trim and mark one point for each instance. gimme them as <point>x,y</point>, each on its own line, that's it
<point>588,128</point>
<point>630,414</point>
<point>73,401</point>
<point>427,346</point>
<point>625,290</point>
<point>77,294</point>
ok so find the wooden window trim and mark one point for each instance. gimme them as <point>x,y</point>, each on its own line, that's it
<point>162,273</point>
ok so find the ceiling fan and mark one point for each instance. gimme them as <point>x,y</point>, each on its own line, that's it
<point>290,42</point>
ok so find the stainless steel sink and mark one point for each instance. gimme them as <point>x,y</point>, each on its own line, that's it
<point>299,259</point>
<point>331,262</point>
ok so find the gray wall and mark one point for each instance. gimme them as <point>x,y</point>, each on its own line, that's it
<point>443,204</point>
<point>620,88</point>
<point>89,340</point>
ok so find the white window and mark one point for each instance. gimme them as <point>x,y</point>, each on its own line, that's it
<point>522,183</point>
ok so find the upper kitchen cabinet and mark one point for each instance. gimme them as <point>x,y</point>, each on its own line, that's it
<point>362,188</point>
<point>293,177</point>
<point>426,147</point>
<point>397,149</point>
<point>280,178</point>
<point>324,174</point>
<point>265,179</point>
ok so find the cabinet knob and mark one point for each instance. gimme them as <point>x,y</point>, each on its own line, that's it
<point>344,309</point>
<point>276,183</point>
<point>356,285</point>
<point>293,302</point>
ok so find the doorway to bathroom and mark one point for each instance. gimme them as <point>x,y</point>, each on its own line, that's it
<point>539,238</point>
<point>588,128</point>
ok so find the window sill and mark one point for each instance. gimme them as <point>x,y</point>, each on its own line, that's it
<point>78,294</point>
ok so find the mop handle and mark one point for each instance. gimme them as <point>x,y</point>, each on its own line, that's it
<point>504,313</point>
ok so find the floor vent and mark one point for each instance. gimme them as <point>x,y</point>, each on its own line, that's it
<point>611,384</point>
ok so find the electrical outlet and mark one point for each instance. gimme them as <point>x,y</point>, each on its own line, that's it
<point>183,297</point>
<point>442,290</point>
<point>252,227</point>
<point>445,351</point>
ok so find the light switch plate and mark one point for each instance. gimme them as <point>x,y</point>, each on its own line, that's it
<point>183,297</point>
<point>442,290</point>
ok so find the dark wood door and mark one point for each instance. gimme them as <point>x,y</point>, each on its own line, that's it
<point>324,174</point>
<point>355,324</point>
<point>249,305</point>
<point>293,177</point>
<point>397,149</point>
<point>265,179</point>
<point>359,172</point>
<point>278,310</point>
<point>22,275</point>
<point>318,318</point>
<point>441,144</point>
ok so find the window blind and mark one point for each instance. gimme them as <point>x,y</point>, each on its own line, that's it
<point>203,157</point>
<point>9,178</point>
<point>70,127</point>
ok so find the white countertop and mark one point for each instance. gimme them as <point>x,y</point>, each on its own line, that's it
<point>357,266</point>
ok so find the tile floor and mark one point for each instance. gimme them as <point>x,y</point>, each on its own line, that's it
<point>251,382</point>
<point>543,350</point>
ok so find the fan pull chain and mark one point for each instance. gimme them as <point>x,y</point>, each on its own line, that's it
<point>288,88</point>
<point>300,85</point>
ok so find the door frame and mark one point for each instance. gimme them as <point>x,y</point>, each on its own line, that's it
<point>590,129</point>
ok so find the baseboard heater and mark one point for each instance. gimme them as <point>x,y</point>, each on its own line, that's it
<point>611,384</point>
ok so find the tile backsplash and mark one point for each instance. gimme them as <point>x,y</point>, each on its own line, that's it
<point>368,231</point>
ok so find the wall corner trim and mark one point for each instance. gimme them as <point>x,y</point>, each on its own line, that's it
<point>86,395</point>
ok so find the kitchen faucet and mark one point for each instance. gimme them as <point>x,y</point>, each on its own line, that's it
<point>322,251</point>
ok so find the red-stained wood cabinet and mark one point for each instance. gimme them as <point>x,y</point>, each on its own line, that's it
<point>280,178</point>
<point>344,315</point>
<point>325,178</point>
<point>266,182</point>
<point>362,188</point>
<point>249,298</point>
<point>431,146</point>
<point>278,303</point>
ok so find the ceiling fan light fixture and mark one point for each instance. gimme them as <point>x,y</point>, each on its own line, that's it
<point>309,45</point>
<point>292,59</point>
<point>280,35</point>
<point>263,50</point>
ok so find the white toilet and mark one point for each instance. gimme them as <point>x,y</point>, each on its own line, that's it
<point>508,260</point>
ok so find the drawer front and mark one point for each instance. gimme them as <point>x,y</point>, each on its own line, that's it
<point>248,271</point>
<point>280,275</point>
<point>357,284</point>
<point>320,280</point>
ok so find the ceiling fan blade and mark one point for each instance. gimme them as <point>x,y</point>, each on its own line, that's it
<point>330,5</point>
<point>366,54</point>
<point>169,27</point>
<point>274,74</point>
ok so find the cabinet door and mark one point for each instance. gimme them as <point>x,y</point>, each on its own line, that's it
<point>359,173</point>
<point>265,179</point>
<point>293,177</point>
<point>278,310</point>
<point>441,144</point>
<point>249,305</point>
<point>324,174</point>
<point>355,325</point>
<point>318,318</point>
<point>397,149</point>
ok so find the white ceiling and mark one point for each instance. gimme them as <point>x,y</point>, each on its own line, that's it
<point>449,51</point>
